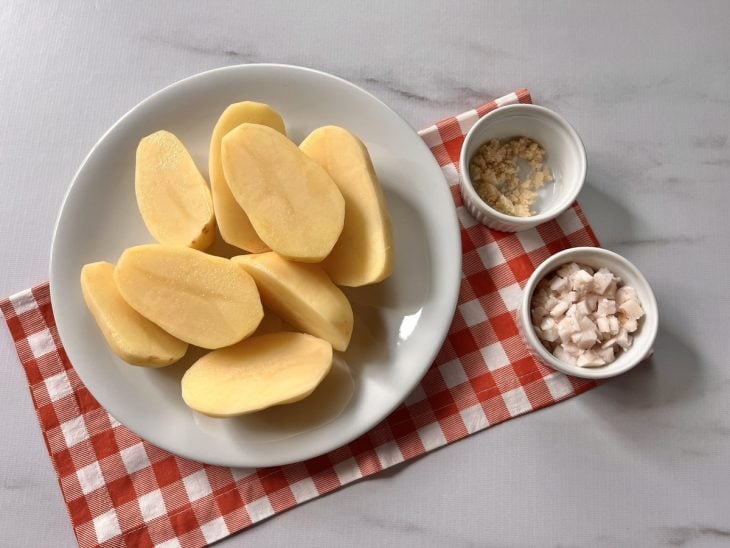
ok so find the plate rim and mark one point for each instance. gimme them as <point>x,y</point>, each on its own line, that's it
<point>451,224</point>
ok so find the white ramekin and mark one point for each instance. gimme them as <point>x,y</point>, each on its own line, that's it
<point>566,157</point>
<point>595,258</point>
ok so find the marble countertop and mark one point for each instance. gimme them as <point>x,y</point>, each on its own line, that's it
<point>642,460</point>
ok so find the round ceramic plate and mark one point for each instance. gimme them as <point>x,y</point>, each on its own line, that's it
<point>399,324</point>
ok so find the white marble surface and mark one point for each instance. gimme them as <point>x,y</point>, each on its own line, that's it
<point>642,460</point>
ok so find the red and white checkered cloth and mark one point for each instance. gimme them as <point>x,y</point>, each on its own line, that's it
<point>121,490</point>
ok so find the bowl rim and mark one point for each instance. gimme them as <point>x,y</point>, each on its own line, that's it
<point>640,351</point>
<point>533,111</point>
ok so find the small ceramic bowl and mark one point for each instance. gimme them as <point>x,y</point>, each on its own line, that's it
<point>566,158</point>
<point>594,257</point>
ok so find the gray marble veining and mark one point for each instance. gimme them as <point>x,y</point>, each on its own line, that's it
<point>681,536</point>
<point>209,51</point>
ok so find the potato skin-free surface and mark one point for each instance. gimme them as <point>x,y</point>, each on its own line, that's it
<point>202,299</point>
<point>172,195</point>
<point>233,223</point>
<point>364,252</point>
<point>302,295</point>
<point>292,203</point>
<point>260,372</point>
<point>130,335</point>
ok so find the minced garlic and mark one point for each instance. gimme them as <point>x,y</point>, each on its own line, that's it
<point>495,174</point>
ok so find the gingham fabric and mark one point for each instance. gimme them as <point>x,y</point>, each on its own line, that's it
<point>121,490</point>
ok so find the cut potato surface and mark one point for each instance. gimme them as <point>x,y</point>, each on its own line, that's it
<point>204,300</point>
<point>130,335</point>
<point>364,252</point>
<point>233,223</point>
<point>292,203</point>
<point>172,195</point>
<point>302,295</point>
<point>257,373</point>
<point>271,323</point>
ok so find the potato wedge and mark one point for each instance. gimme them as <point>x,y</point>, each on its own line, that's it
<point>271,323</point>
<point>260,372</point>
<point>364,252</point>
<point>204,300</point>
<point>302,295</point>
<point>172,195</point>
<point>293,205</point>
<point>233,223</point>
<point>130,335</point>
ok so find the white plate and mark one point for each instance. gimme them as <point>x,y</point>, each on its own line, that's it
<point>400,323</point>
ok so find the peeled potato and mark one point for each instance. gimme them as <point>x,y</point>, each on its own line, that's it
<point>364,252</point>
<point>204,300</point>
<point>271,323</point>
<point>130,335</point>
<point>257,373</point>
<point>292,203</point>
<point>233,223</point>
<point>172,195</point>
<point>302,295</point>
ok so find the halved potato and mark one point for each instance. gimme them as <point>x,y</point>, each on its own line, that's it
<point>233,223</point>
<point>205,300</point>
<point>364,252</point>
<point>172,195</point>
<point>130,335</point>
<point>260,372</point>
<point>302,295</point>
<point>293,205</point>
<point>271,323</point>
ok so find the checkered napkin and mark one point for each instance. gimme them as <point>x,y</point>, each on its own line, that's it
<point>121,490</point>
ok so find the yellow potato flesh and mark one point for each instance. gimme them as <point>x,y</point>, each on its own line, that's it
<point>260,372</point>
<point>364,252</point>
<point>271,323</point>
<point>204,300</point>
<point>233,223</point>
<point>130,335</point>
<point>302,295</point>
<point>172,195</point>
<point>293,204</point>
